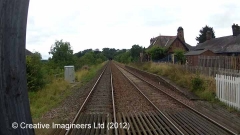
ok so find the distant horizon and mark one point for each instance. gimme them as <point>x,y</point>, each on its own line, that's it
<point>111,47</point>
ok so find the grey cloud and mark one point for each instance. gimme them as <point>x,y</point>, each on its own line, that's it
<point>226,19</point>
<point>159,16</point>
<point>45,56</point>
<point>37,35</point>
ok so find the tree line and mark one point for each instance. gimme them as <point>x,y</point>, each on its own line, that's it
<point>41,72</point>
<point>62,55</point>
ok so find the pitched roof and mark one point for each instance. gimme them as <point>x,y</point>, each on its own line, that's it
<point>162,41</point>
<point>225,44</point>
<point>27,52</point>
<point>195,52</point>
<point>189,47</point>
<point>166,41</point>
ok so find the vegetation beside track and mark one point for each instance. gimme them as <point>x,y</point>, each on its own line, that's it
<point>53,93</point>
<point>48,97</point>
<point>85,75</point>
<point>46,86</point>
<point>203,86</point>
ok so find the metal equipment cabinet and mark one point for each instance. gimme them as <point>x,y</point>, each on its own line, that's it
<point>69,74</point>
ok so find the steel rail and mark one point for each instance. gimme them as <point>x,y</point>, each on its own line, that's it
<point>194,110</point>
<point>151,102</point>
<point>85,101</point>
<point>113,102</point>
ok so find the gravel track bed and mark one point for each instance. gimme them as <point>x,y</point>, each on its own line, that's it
<point>100,101</point>
<point>171,109</point>
<point>127,98</point>
<point>214,111</point>
<point>161,100</point>
<point>173,93</point>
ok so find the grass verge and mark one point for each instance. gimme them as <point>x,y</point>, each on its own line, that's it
<point>55,92</point>
<point>203,86</point>
<point>85,75</point>
<point>48,97</point>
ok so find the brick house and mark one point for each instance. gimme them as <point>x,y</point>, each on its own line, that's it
<point>192,56</point>
<point>222,46</point>
<point>171,42</point>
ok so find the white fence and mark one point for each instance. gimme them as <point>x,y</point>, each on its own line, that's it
<point>228,90</point>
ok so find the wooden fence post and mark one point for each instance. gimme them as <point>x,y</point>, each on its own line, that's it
<point>14,102</point>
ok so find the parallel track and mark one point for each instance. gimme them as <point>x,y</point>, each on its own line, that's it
<point>167,123</point>
<point>188,121</point>
<point>99,107</point>
<point>141,121</point>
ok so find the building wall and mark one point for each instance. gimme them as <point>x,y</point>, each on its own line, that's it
<point>228,54</point>
<point>177,45</point>
<point>193,59</point>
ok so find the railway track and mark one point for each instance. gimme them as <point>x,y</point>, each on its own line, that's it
<point>97,109</point>
<point>184,118</point>
<point>169,116</point>
<point>230,120</point>
<point>134,109</point>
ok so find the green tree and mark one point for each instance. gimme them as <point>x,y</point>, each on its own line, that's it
<point>157,53</point>
<point>99,58</point>
<point>119,52</point>
<point>179,55</point>
<point>135,52</point>
<point>62,54</point>
<point>202,36</point>
<point>109,52</point>
<point>124,57</point>
<point>90,58</point>
<point>81,53</point>
<point>35,74</point>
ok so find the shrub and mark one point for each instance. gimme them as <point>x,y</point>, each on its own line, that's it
<point>157,52</point>
<point>197,83</point>
<point>35,73</point>
<point>179,54</point>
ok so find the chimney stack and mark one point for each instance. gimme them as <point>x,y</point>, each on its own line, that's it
<point>235,29</point>
<point>180,34</point>
<point>151,41</point>
<point>208,35</point>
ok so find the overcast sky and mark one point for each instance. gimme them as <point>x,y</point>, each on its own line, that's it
<point>120,24</point>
